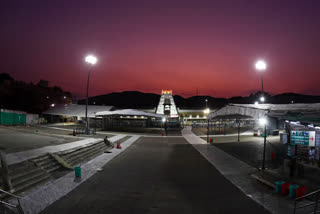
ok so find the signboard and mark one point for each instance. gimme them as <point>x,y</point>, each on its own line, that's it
<point>305,138</point>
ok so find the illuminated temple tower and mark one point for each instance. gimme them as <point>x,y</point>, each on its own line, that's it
<point>166,105</point>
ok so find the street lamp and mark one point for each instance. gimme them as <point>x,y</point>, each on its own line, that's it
<point>264,122</point>
<point>261,66</point>
<point>91,60</point>
<point>206,112</point>
<point>206,103</point>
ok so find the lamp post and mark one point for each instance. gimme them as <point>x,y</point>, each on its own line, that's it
<point>163,121</point>
<point>261,66</point>
<point>206,103</point>
<point>263,122</point>
<point>91,60</point>
<point>206,112</point>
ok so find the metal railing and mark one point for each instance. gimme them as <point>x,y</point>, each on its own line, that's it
<point>313,196</point>
<point>7,204</point>
<point>82,131</point>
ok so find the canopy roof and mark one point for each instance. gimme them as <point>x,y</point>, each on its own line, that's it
<point>129,112</point>
<point>304,112</point>
<point>74,110</point>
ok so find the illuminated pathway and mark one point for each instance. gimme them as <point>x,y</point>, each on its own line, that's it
<point>157,175</point>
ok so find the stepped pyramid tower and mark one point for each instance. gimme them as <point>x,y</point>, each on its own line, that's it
<point>166,105</point>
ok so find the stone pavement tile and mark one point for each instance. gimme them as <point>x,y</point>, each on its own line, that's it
<point>238,173</point>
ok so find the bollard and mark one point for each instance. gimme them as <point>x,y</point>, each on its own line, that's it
<point>77,171</point>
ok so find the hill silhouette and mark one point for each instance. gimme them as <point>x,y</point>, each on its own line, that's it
<point>140,100</point>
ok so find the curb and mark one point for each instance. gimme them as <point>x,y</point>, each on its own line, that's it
<point>265,182</point>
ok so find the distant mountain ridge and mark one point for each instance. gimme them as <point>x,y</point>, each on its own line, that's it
<point>140,100</point>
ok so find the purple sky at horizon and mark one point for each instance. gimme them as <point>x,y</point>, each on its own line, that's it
<point>180,45</point>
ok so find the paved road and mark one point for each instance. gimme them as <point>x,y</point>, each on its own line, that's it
<point>157,175</point>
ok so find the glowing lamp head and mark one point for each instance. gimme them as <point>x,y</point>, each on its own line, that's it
<point>261,65</point>
<point>262,99</point>
<point>206,111</point>
<point>256,103</point>
<point>263,121</point>
<point>52,105</point>
<point>90,59</point>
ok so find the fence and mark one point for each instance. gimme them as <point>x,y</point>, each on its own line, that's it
<point>8,117</point>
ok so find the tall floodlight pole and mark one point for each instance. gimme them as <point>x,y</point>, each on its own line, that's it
<point>261,66</point>
<point>91,60</point>
<point>263,122</point>
<point>207,112</point>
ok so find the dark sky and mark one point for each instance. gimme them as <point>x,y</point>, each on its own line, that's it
<point>153,45</point>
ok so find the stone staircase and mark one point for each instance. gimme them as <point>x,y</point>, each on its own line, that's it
<point>25,175</point>
<point>46,162</point>
<point>37,171</point>
<point>81,155</point>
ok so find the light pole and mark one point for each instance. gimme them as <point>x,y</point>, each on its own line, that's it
<point>261,66</point>
<point>91,60</point>
<point>263,122</point>
<point>163,121</point>
<point>206,112</point>
<point>206,103</point>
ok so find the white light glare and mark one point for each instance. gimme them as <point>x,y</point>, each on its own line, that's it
<point>163,119</point>
<point>52,105</point>
<point>256,103</point>
<point>287,121</point>
<point>310,125</point>
<point>261,65</point>
<point>91,59</point>
<point>263,121</point>
<point>206,111</point>
<point>317,127</point>
<point>262,99</point>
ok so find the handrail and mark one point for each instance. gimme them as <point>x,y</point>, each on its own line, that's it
<point>312,193</point>
<point>8,193</point>
<point>8,204</point>
<point>18,206</point>
<point>315,203</point>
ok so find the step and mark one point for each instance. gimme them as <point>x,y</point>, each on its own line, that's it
<point>80,150</point>
<point>24,173</point>
<point>17,168</point>
<point>53,168</point>
<point>20,180</point>
<point>86,158</point>
<point>41,158</point>
<point>66,152</point>
<point>85,153</point>
<point>49,164</point>
<point>42,161</point>
<point>32,183</point>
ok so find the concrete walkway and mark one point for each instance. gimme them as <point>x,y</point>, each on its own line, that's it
<point>37,200</point>
<point>18,157</point>
<point>239,173</point>
<point>157,175</point>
